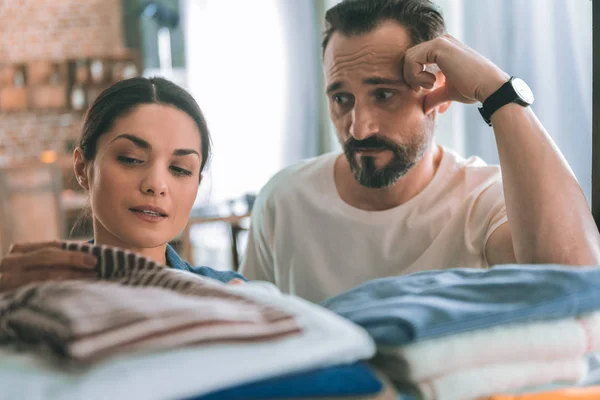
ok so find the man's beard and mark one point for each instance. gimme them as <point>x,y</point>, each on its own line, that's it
<point>404,157</point>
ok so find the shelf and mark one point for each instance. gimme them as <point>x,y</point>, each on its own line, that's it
<point>66,86</point>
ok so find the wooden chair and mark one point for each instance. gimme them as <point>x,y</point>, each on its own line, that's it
<point>235,226</point>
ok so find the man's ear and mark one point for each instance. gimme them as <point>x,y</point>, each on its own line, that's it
<point>80,168</point>
<point>442,108</point>
<point>437,98</point>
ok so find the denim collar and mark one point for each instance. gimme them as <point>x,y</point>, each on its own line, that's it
<point>174,261</point>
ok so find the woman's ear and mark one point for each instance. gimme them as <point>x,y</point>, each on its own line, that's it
<point>80,168</point>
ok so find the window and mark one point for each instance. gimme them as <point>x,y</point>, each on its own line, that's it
<point>236,69</point>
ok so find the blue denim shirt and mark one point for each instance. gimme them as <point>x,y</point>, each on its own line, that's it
<point>176,262</point>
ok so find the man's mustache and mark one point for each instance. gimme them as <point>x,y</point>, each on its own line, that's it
<point>373,142</point>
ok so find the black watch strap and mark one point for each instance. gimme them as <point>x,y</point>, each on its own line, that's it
<point>501,97</point>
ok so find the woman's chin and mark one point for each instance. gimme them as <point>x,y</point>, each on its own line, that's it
<point>146,240</point>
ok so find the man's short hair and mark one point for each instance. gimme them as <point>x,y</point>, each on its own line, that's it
<point>422,18</point>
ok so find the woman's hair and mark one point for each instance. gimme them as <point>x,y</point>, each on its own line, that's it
<point>123,97</point>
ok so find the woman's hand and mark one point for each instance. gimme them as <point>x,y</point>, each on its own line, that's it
<point>35,262</point>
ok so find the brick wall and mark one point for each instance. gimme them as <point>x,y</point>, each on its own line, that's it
<point>23,136</point>
<point>54,30</point>
<point>59,29</point>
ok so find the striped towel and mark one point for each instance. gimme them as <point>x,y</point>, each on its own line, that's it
<point>137,305</point>
<point>132,269</point>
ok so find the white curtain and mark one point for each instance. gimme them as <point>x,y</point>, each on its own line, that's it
<point>254,68</point>
<point>236,67</point>
<point>548,43</point>
<point>305,99</point>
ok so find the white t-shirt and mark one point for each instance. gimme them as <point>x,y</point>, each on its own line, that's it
<point>306,240</point>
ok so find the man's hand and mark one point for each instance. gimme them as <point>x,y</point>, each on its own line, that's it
<point>470,77</point>
<point>35,262</point>
<point>549,220</point>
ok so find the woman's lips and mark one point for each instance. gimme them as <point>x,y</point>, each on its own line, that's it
<point>148,216</point>
<point>149,213</point>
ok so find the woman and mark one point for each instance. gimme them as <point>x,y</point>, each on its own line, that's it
<point>141,155</point>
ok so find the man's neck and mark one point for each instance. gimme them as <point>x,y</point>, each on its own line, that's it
<point>407,187</point>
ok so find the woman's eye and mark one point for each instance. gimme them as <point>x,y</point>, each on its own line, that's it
<point>181,171</point>
<point>128,160</point>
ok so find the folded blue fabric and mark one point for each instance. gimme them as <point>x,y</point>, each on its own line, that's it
<point>344,380</point>
<point>401,310</point>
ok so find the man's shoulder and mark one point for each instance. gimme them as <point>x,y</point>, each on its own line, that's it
<point>304,175</point>
<point>470,182</point>
<point>471,170</point>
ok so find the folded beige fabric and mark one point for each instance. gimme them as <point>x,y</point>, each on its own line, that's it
<point>137,305</point>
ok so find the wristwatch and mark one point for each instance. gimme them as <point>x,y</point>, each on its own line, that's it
<point>513,91</point>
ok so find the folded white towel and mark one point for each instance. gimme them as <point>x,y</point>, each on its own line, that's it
<point>539,341</point>
<point>486,381</point>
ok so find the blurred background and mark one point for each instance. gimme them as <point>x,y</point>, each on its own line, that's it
<point>255,69</point>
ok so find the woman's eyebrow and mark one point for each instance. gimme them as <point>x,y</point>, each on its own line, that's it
<point>185,152</point>
<point>138,141</point>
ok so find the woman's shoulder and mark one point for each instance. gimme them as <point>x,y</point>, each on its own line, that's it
<point>223,276</point>
<point>175,261</point>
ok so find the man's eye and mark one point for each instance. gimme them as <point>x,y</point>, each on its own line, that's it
<point>341,99</point>
<point>384,94</point>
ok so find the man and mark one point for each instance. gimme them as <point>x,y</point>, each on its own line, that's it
<point>395,202</point>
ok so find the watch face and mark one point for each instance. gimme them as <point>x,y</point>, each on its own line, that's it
<point>523,90</point>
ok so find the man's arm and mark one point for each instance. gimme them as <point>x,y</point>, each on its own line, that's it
<point>549,220</point>
<point>499,248</point>
<point>548,213</point>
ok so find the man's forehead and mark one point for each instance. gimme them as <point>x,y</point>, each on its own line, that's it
<point>383,47</point>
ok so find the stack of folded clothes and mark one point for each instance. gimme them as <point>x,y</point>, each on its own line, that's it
<point>466,334</point>
<point>81,322</point>
<point>143,331</point>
